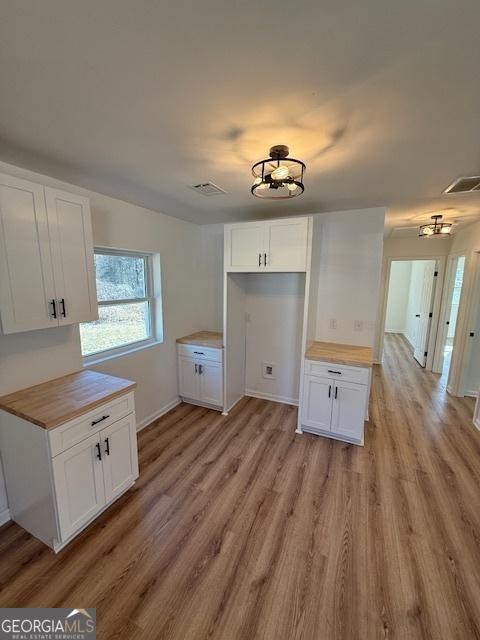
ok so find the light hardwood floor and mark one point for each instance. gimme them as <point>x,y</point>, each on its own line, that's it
<point>238,528</point>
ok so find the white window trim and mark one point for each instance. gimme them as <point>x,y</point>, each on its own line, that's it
<point>137,345</point>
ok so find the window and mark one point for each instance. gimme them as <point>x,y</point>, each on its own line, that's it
<point>125,304</point>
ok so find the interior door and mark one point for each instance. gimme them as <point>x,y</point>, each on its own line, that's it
<point>426,307</point>
<point>348,412</point>
<point>26,276</point>
<point>211,382</point>
<point>79,487</point>
<point>189,385</point>
<point>286,244</point>
<point>119,452</point>
<point>317,406</point>
<point>70,228</point>
<point>244,247</point>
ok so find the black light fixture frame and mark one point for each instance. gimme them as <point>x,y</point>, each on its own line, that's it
<point>436,228</point>
<point>277,153</point>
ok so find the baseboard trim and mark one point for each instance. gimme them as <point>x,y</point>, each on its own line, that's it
<point>4,516</point>
<point>158,414</point>
<point>267,396</point>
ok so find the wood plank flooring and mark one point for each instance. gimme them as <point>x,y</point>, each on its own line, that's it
<point>238,529</point>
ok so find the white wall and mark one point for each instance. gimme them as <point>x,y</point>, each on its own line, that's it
<point>351,245</point>
<point>33,357</point>
<point>274,310</point>
<point>398,289</point>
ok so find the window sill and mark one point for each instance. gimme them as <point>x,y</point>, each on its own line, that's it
<point>98,358</point>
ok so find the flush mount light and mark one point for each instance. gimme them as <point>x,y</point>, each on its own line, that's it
<point>278,177</point>
<point>435,228</point>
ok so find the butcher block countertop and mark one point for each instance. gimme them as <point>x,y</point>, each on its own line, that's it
<point>52,403</point>
<point>213,339</point>
<point>340,354</point>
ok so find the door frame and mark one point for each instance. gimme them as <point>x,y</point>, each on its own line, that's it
<point>446,298</point>
<point>440,262</point>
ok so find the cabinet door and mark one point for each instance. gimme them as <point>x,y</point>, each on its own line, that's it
<point>244,247</point>
<point>211,382</point>
<point>188,379</point>
<point>120,458</point>
<point>317,403</point>
<point>72,254</point>
<point>79,487</point>
<point>286,244</point>
<point>348,414</point>
<point>26,277</point>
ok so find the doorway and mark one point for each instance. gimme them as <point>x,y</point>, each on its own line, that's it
<point>410,305</point>
<point>449,315</point>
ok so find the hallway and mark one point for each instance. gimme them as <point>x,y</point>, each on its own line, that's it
<point>239,529</point>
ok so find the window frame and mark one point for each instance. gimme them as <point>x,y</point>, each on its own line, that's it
<point>135,345</point>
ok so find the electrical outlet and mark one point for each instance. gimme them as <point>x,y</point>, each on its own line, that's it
<point>333,323</point>
<point>358,325</point>
<point>268,370</point>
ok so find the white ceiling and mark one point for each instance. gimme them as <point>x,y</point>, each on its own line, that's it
<point>139,99</point>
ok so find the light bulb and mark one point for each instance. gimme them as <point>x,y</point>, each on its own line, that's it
<point>445,229</point>
<point>291,186</point>
<point>280,173</point>
<point>427,231</point>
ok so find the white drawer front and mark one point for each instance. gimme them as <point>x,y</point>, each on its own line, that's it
<point>337,372</point>
<point>70,433</point>
<point>200,353</point>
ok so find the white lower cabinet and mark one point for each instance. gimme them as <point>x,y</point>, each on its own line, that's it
<point>331,404</point>
<point>71,473</point>
<point>200,379</point>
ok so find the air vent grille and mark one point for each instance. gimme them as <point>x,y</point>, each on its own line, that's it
<point>464,185</point>
<point>207,189</point>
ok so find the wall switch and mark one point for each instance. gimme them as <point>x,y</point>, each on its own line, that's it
<point>268,370</point>
<point>358,325</point>
<point>333,323</point>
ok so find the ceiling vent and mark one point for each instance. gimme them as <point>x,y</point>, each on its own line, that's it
<point>207,189</point>
<point>464,185</point>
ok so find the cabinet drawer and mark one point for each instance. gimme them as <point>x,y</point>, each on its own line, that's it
<point>200,353</point>
<point>337,372</point>
<point>75,431</point>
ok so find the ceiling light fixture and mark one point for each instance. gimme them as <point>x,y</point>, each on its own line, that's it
<point>435,228</point>
<point>278,177</point>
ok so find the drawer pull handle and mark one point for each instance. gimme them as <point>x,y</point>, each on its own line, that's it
<point>54,308</point>
<point>107,447</point>
<point>339,373</point>
<point>199,353</point>
<point>100,420</point>
<point>99,453</point>
<point>62,304</point>
<point>200,369</point>
<point>329,390</point>
<point>196,368</point>
<point>336,392</point>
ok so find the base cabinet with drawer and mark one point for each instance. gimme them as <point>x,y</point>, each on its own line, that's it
<point>200,375</point>
<point>60,479</point>
<point>334,401</point>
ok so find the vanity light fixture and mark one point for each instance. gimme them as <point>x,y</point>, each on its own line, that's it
<point>435,228</point>
<point>278,177</point>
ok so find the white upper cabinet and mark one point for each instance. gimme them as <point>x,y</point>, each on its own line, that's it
<point>27,292</point>
<point>46,257</point>
<point>274,245</point>
<point>70,227</point>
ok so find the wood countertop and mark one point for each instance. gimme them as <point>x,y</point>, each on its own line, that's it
<point>213,339</point>
<point>340,354</point>
<point>55,402</point>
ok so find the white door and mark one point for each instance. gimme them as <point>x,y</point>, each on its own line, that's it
<point>286,244</point>
<point>211,382</point>
<point>317,404</point>
<point>79,487</point>
<point>188,379</point>
<point>72,254</point>
<point>426,306</point>
<point>349,407</point>
<point>27,293</point>
<point>244,247</point>
<point>119,453</point>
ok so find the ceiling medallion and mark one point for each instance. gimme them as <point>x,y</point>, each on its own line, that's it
<point>435,228</point>
<point>278,177</point>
